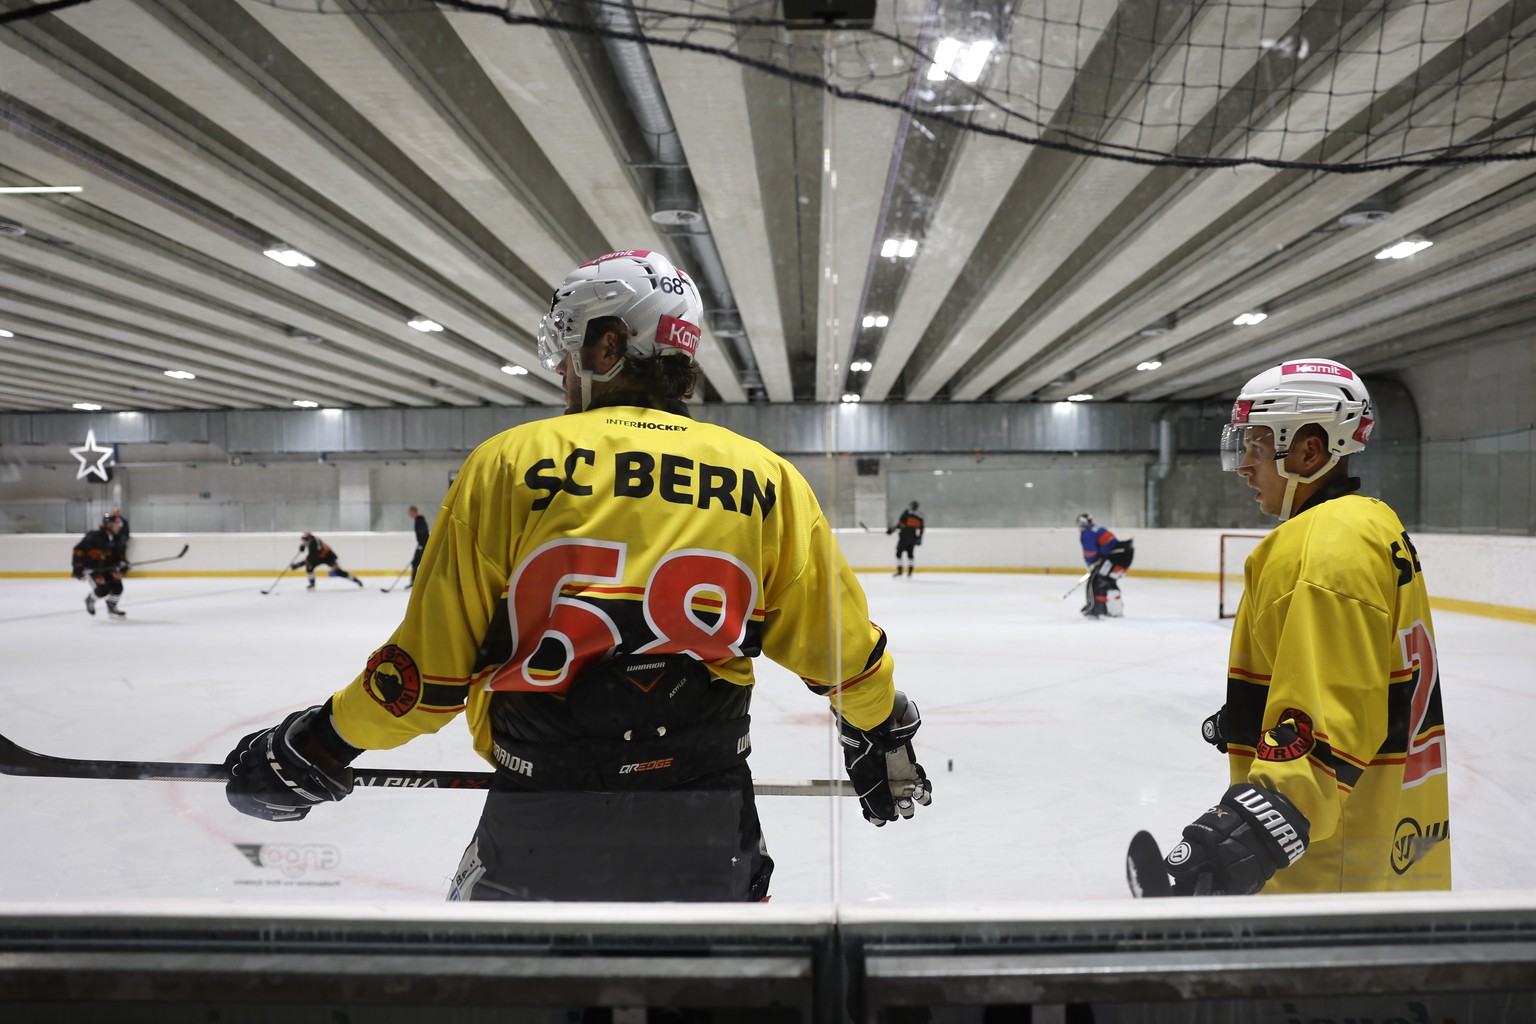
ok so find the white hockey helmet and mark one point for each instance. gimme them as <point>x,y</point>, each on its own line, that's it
<point>1286,398</point>
<point>1084,520</point>
<point>658,303</point>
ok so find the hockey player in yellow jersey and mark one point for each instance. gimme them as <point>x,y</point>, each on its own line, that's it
<point>1332,725</point>
<point>591,598</point>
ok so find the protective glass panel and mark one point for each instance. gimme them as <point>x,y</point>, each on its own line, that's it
<point>304,279</point>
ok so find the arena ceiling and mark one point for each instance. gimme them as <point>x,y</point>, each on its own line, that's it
<point>452,162</point>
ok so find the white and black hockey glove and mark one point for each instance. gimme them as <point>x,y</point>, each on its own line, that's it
<point>280,773</point>
<point>1234,848</point>
<point>882,767</point>
<point>1214,730</point>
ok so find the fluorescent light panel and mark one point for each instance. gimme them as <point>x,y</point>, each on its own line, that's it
<point>1403,249</point>
<point>952,58</point>
<point>26,190</point>
<point>289,257</point>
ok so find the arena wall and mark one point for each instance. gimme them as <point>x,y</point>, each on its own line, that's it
<point>1463,568</point>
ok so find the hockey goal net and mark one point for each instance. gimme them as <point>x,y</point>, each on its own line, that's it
<point>1235,548</point>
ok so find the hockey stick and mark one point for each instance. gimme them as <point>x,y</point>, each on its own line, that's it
<point>152,561</point>
<point>1075,584</point>
<point>392,586</point>
<point>1145,871</point>
<point>18,760</point>
<point>286,570</point>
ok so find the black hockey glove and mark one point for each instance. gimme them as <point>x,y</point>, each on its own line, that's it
<point>1234,848</point>
<point>1214,730</point>
<point>279,773</point>
<point>882,767</point>
<point>78,573</point>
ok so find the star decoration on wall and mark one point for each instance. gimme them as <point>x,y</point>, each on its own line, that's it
<point>90,466</point>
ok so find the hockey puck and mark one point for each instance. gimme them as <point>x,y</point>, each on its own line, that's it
<point>951,764</point>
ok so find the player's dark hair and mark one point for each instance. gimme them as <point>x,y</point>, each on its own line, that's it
<point>664,376</point>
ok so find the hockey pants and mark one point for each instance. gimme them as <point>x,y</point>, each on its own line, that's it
<point>687,845</point>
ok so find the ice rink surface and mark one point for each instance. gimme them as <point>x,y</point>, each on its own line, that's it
<point>1050,740</point>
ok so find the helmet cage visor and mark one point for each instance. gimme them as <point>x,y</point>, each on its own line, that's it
<point>1243,443</point>
<point>563,329</point>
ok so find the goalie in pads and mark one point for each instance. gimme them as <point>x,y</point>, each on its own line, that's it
<point>591,598</point>
<point>1332,725</point>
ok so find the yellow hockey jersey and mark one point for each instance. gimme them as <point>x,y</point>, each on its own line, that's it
<point>620,528</point>
<point>1333,699</point>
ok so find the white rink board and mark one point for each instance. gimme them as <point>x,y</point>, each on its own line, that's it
<point>1490,570</point>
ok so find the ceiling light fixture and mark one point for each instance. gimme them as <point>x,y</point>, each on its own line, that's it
<point>1249,319</point>
<point>1404,249</point>
<point>1082,397</point>
<point>1150,364</point>
<point>861,366</point>
<point>181,374</point>
<point>903,248</point>
<point>424,325</point>
<point>86,407</point>
<point>516,371</point>
<point>6,334</point>
<point>304,403</point>
<point>288,257</point>
<point>850,399</point>
<point>876,320</point>
<point>952,58</point>
<point>26,190</point>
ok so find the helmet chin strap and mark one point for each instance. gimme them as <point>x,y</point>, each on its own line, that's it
<point>1291,481</point>
<point>588,376</point>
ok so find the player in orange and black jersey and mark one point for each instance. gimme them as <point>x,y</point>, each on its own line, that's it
<point>593,594</point>
<point>315,553</point>
<point>909,534</point>
<point>96,557</point>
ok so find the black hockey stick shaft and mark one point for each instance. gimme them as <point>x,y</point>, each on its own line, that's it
<point>168,558</point>
<point>1145,871</point>
<point>286,570</point>
<point>18,760</point>
<point>396,582</point>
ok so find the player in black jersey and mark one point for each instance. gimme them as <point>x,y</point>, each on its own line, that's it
<point>423,534</point>
<point>909,534</point>
<point>96,557</point>
<point>316,553</point>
